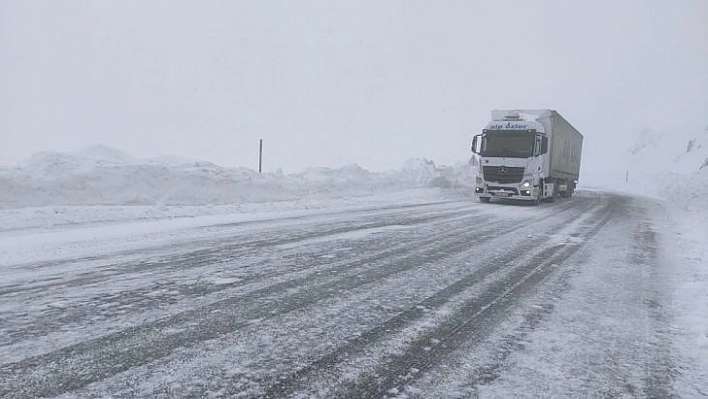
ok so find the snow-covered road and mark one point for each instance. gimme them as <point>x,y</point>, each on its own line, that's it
<point>437,297</point>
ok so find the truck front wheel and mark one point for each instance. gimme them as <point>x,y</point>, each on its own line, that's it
<point>484,199</point>
<point>539,194</point>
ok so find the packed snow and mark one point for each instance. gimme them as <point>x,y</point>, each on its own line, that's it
<point>57,206</point>
<point>673,167</point>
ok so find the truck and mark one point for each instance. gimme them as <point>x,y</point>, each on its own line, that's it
<point>528,155</point>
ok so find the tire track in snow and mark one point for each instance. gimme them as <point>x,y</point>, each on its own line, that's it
<point>472,323</point>
<point>56,318</point>
<point>486,372</point>
<point>631,328</point>
<point>51,320</point>
<point>140,344</point>
<point>660,372</point>
<point>74,367</point>
<point>292,234</point>
<point>300,379</point>
<point>276,353</point>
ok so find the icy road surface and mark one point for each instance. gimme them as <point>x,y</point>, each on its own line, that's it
<point>439,298</point>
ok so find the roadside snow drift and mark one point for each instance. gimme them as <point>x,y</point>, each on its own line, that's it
<point>101,175</point>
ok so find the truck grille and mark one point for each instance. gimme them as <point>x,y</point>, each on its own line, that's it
<point>507,189</point>
<point>503,174</point>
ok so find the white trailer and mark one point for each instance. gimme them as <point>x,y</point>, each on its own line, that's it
<point>530,155</point>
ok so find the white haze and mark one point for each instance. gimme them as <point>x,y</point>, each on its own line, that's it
<point>336,83</point>
<point>99,200</point>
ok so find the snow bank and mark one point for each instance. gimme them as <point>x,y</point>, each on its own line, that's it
<point>670,166</point>
<point>675,168</point>
<point>100,184</point>
<point>101,175</point>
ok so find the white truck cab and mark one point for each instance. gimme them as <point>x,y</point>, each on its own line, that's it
<point>515,155</point>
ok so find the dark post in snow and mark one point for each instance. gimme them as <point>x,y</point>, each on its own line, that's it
<point>626,177</point>
<point>260,157</point>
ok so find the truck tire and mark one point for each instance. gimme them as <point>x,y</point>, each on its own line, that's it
<point>566,193</point>
<point>484,200</point>
<point>538,198</point>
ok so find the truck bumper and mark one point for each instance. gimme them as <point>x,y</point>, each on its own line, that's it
<point>508,192</point>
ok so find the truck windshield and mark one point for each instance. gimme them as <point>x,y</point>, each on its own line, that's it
<point>507,143</point>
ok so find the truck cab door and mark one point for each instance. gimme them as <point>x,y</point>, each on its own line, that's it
<point>536,162</point>
<point>538,147</point>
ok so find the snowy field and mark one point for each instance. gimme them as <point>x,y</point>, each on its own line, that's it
<point>173,277</point>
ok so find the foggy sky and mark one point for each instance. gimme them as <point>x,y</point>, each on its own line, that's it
<point>328,83</point>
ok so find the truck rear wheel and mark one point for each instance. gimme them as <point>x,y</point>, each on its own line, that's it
<point>571,189</point>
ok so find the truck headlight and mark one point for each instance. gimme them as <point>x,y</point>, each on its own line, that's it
<point>527,183</point>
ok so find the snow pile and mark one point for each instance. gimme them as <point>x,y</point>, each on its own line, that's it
<point>676,169</point>
<point>669,166</point>
<point>101,175</point>
<point>422,172</point>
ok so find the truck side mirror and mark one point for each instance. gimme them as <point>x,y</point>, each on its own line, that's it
<point>544,145</point>
<point>474,145</point>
